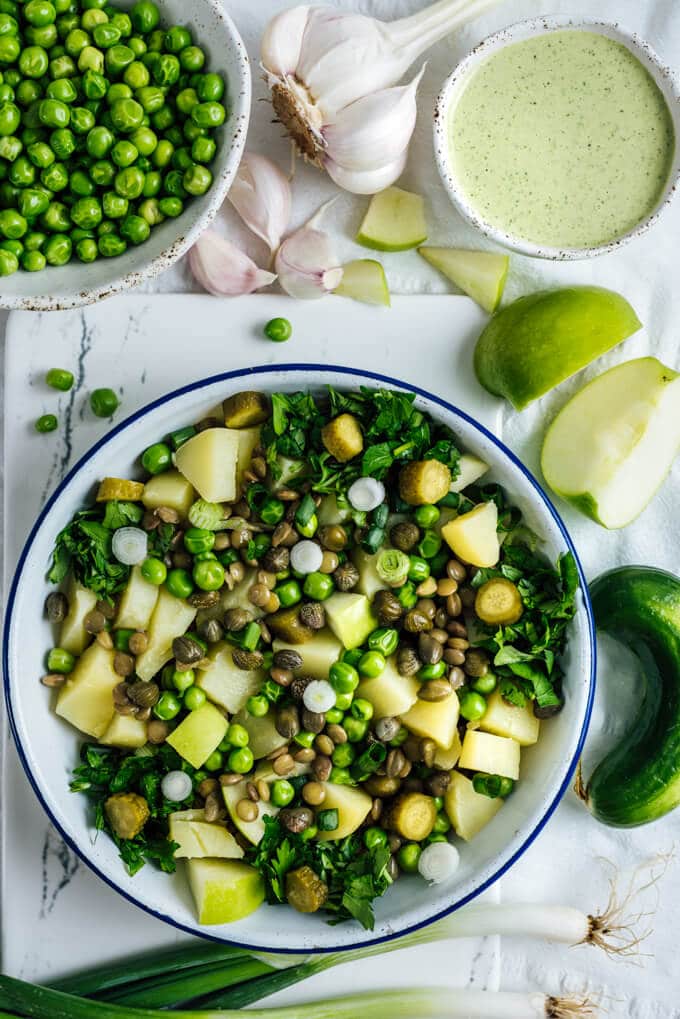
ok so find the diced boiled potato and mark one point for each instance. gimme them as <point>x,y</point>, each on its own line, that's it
<point>169,489</point>
<point>251,830</point>
<point>503,719</point>
<point>369,580</point>
<point>262,732</point>
<point>208,462</point>
<point>199,734</point>
<point>171,618</point>
<point>125,731</point>
<point>435,720</point>
<point>473,536</point>
<point>137,602</point>
<point>467,810</point>
<point>86,698</point>
<point>446,759</point>
<point>198,839</point>
<point>317,654</point>
<point>224,890</point>
<point>226,684</point>
<point>350,617</point>
<point>238,598</point>
<point>352,805</point>
<point>73,636</point>
<point>330,513</point>
<point>246,440</point>
<point>471,470</point>
<point>389,693</point>
<point>119,488</point>
<point>495,755</point>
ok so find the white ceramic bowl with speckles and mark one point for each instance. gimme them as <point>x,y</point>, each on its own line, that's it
<point>75,284</point>
<point>457,81</point>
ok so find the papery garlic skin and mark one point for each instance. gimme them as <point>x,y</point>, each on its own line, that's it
<point>306,263</point>
<point>320,62</point>
<point>223,269</point>
<point>261,195</point>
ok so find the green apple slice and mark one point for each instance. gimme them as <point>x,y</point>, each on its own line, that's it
<point>364,280</point>
<point>540,340</point>
<point>395,221</point>
<point>610,448</point>
<point>479,274</point>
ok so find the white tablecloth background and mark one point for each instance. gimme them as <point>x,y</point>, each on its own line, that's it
<point>567,863</point>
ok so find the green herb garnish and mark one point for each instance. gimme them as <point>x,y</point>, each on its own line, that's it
<point>84,547</point>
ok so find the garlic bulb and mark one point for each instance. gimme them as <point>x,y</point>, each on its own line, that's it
<point>223,269</point>
<point>262,197</point>
<point>332,78</point>
<point>306,263</point>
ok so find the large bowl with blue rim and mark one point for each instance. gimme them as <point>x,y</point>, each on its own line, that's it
<point>48,747</point>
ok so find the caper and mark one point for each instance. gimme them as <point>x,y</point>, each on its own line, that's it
<point>296,819</point>
<point>346,576</point>
<point>430,650</point>
<point>322,767</point>
<point>186,650</point>
<point>381,785</point>
<point>456,676</point>
<point>123,664</point>
<point>333,537</point>
<point>138,643</point>
<point>408,662</point>
<point>388,607</point>
<point>405,535</point>
<point>435,690</point>
<point>56,607</point>
<point>212,631</point>
<point>386,729</point>
<point>313,721</point>
<point>247,660</point>
<point>428,749</point>
<point>476,663</point>
<point>236,619</point>
<point>313,615</point>
<point>145,695</point>
<point>276,560</point>
<point>394,763</point>
<point>94,622</point>
<point>288,721</point>
<point>204,599</point>
<point>438,783</point>
<point>157,731</point>
<point>288,659</point>
<point>299,685</point>
<point>416,621</point>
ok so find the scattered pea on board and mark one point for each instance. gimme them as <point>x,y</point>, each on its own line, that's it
<point>106,129</point>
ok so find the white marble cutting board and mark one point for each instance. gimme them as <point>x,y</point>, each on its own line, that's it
<point>56,915</point>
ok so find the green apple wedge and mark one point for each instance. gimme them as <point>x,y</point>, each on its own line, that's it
<point>394,221</point>
<point>364,280</point>
<point>479,274</point>
<point>540,340</point>
<point>611,446</point>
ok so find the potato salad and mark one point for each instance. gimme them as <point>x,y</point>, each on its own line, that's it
<point>305,644</point>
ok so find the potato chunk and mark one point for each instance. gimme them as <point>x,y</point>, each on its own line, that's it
<point>412,815</point>
<point>342,437</point>
<point>127,813</point>
<point>209,462</point>
<point>199,734</point>
<point>468,811</point>
<point>120,488</point>
<point>224,683</point>
<point>503,719</point>
<point>352,805</point>
<point>423,482</point>
<point>494,755</point>
<point>435,720</point>
<point>473,536</point>
<point>86,698</point>
<point>137,602</point>
<point>73,636</point>
<point>169,489</point>
<point>243,410</point>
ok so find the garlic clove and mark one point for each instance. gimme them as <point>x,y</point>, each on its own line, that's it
<point>261,195</point>
<point>223,269</point>
<point>375,130</point>
<point>282,41</point>
<point>366,182</point>
<point>306,263</point>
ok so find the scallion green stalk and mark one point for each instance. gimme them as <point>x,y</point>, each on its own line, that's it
<point>194,983</point>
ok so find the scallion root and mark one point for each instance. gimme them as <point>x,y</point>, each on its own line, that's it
<point>569,1008</point>
<point>613,931</point>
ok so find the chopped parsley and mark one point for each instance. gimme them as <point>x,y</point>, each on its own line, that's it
<point>84,547</point>
<point>355,876</point>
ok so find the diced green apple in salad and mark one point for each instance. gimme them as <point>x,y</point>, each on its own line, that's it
<point>302,645</point>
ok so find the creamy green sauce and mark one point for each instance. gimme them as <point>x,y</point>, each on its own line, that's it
<point>563,139</point>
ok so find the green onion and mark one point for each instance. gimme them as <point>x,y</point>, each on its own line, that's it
<point>182,435</point>
<point>305,511</point>
<point>200,980</point>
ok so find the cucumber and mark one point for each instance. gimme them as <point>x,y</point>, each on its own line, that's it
<point>639,780</point>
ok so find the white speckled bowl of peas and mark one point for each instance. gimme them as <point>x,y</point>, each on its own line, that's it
<point>122,126</point>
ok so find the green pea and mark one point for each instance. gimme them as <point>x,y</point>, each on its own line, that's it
<point>28,92</point>
<point>129,183</point>
<point>442,824</point>
<point>343,677</point>
<point>104,402</point>
<point>33,202</point>
<point>122,22</point>
<point>177,38</point>
<point>186,100</point>
<point>173,184</point>
<point>197,180</point>
<point>484,684</point>
<point>241,761</point>
<point>257,706</point>
<point>145,16</point>
<point>192,58</point>
<point>156,41</point>
<point>150,98</point>
<point>7,94</point>
<point>58,249</point>
<point>54,113</point>
<point>318,586</point>
<point>203,150</point>
<point>126,115</point>
<point>282,792</point>
<point>472,706</point>
<point>183,680</point>
<point>372,664</point>
<point>137,75</point>
<point>208,114</point>
<point>361,709</point>
<point>62,66</point>
<point>9,263</point>
<point>215,762</point>
<point>91,59</point>
<point>343,755</point>
<point>179,583</point>
<point>115,206</point>
<point>99,142</point>
<point>157,459</point>
<point>8,23</point>
<point>60,660</point>
<point>118,58</point>
<point>385,640</point>
<point>181,159</point>
<point>55,177</point>
<point>81,184</point>
<point>39,12</point>
<point>94,85</point>
<point>167,707</point>
<point>335,716</point>
<point>33,261</point>
<point>59,378</point>
<point>63,142</point>
<point>87,213</point>
<point>289,593</point>
<point>10,48</point>
<point>194,698</point>
<point>154,571</point>
<point>10,148</point>
<point>34,240</point>
<point>210,88</point>
<point>237,735</point>
<point>171,207</point>
<point>82,120</point>
<point>46,423</point>
<point>137,45</point>
<point>12,224</point>
<point>106,35</point>
<point>163,120</point>
<point>198,539</point>
<point>432,671</point>
<point>41,35</point>
<point>150,211</point>
<point>76,41</point>
<point>87,250</point>
<point>419,569</point>
<point>209,576</point>
<point>103,172</point>
<point>426,516</point>
<point>343,701</point>
<point>408,857</point>
<point>10,118</point>
<point>124,153</point>
<point>375,838</point>
<point>15,247</point>
<point>166,70</point>
<point>62,89</point>
<point>56,218</point>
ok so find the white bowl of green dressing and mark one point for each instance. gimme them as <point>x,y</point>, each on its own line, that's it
<point>558,137</point>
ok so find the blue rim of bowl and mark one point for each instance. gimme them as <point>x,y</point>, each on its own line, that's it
<point>322,370</point>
